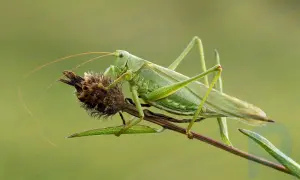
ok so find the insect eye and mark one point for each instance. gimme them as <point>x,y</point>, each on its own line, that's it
<point>121,55</point>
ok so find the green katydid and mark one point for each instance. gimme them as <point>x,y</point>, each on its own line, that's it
<point>166,89</point>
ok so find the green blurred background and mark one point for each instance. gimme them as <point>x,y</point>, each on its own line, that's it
<point>258,43</point>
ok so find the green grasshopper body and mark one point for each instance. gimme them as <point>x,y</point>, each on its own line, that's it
<point>148,77</point>
<point>166,89</point>
<point>186,100</point>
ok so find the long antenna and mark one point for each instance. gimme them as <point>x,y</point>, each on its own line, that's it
<point>45,65</point>
<point>79,65</point>
<point>42,134</point>
<point>61,59</point>
<point>90,60</point>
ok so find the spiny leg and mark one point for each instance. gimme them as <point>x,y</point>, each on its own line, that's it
<point>127,76</point>
<point>173,88</point>
<point>110,71</point>
<point>197,41</point>
<point>165,91</point>
<point>194,41</point>
<point>222,120</point>
<point>138,107</point>
<point>197,113</point>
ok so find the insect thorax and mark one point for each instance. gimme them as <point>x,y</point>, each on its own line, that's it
<point>143,85</point>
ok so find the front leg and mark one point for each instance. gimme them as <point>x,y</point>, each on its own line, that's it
<point>138,105</point>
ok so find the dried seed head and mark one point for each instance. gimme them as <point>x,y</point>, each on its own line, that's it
<point>95,97</point>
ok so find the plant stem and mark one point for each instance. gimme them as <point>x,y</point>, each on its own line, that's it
<point>163,121</point>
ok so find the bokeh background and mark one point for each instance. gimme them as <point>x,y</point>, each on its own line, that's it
<point>258,43</point>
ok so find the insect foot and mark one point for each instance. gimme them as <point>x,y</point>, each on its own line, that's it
<point>91,91</point>
<point>189,134</point>
<point>118,134</point>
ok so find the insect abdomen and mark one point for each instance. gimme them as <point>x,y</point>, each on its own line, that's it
<point>217,104</point>
<point>183,102</point>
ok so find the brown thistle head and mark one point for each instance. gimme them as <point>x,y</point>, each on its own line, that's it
<point>91,91</point>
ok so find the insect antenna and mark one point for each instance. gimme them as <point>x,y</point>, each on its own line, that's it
<point>90,60</point>
<point>61,59</point>
<point>25,106</point>
<point>42,134</point>
<point>79,65</point>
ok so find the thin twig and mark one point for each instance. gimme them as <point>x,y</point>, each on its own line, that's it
<point>85,94</point>
<point>161,120</point>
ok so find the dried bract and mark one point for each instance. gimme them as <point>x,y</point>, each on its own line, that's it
<point>92,92</point>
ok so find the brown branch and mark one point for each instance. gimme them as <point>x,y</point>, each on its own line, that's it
<point>101,101</point>
<point>163,121</point>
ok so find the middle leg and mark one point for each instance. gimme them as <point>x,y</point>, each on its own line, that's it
<point>195,41</point>
<point>138,105</point>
